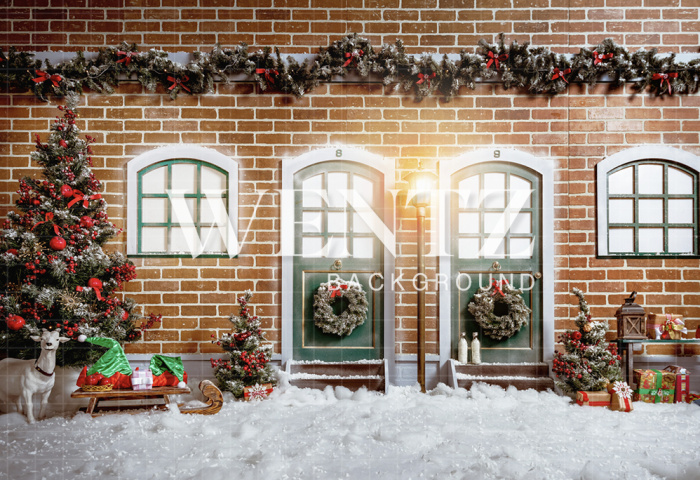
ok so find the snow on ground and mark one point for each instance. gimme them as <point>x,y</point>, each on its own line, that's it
<point>485,433</point>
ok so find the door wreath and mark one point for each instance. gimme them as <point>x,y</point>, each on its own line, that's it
<point>499,327</point>
<point>353,316</point>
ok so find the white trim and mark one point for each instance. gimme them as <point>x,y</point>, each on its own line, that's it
<point>545,168</point>
<point>202,154</point>
<point>604,167</point>
<point>289,168</point>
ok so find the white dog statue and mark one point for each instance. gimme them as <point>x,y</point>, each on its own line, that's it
<point>21,379</point>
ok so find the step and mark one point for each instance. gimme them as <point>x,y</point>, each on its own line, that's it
<point>504,369</point>
<point>320,382</point>
<point>351,375</point>
<point>539,384</point>
<point>339,368</point>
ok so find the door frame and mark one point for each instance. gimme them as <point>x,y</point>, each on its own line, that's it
<point>545,168</point>
<point>289,168</point>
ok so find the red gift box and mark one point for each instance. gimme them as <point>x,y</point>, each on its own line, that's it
<point>593,399</point>
<point>257,391</point>
<point>682,383</point>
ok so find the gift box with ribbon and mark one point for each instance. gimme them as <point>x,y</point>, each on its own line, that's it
<point>257,392</point>
<point>682,383</point>
<point>654,386</point>
<point>142,379</point>
<point>621,397</point>
<point>669,326</point>
<point>593,399</point>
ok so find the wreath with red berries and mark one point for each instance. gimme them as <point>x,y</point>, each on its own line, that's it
<point>486,300</point>
<point>352,317</point>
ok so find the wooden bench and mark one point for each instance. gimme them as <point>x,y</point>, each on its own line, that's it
<point>149,398</point>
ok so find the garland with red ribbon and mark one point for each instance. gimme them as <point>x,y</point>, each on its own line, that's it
<point>425,78</point>
<point>499,327</point>
<point>601,57</point>
<point>560,74</point>
<point>352,317</point>
<point>45,77</point>
<point>664,77</point>
<point>352,57</point>
<point>268,72</point>
<point>177,81</point>
<point>127,57</point>
<point>495,59</point>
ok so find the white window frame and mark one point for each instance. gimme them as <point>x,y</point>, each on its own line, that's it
<point>603,169</point>
<point>195,153</point>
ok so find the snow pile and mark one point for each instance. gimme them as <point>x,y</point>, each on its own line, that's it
<point>483,433</point>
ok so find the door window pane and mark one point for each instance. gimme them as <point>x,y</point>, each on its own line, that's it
<point>469,192</point>
<point>363,247</point>
<point>494,223</point>
<point>522,223</point>
<point>311,247</point>
<point>469,222</point>
<point>494,190</point>
<point>337,222</point>
<point>312,188</point>
<point>311,222</point>
<point>468,247</point>
<point>338,247</point>
<point>520,191</point>
<point>494,247</point>
<point>337,182</point>
<point>364,188</point>
<point>520,247</point>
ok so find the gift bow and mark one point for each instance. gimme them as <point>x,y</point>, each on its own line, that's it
<point>560,74</point>
<point>257,392</point>
<point>497,287</point>
<point>624,392</point>
<point>268,72</point>
<point>45,77</point>
<point>599,57</point>
<point>48,218</point>
<point>127,57</point>
<point>78,196</point>
<point>495,59</point>
<point>664,77</point>
<point>674,324</point>
<point>337,290</point>
<point>425,78</point>
<point>179,81</point>
<point>352,56</point>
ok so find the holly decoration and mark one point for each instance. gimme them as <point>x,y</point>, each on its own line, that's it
<point>246,361</point>
<point>56,241</point>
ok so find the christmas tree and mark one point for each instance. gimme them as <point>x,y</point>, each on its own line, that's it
<point>590,363</point>
<point>248,359</point>
<point>53,270</point>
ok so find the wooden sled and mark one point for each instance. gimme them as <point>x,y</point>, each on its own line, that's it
<point>148,397</point>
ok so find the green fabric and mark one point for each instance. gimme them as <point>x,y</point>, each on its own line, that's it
<point>161,363</point>
<point>112,361</point>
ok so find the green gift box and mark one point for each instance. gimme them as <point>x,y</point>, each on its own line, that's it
<point>654,386</point>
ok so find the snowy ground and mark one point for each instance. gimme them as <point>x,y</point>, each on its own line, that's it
<point>305,434</point>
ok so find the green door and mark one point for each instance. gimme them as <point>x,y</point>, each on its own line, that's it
<point>333,241</point>
<point>496,214</point>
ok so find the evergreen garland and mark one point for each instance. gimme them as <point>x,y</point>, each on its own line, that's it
<point>499,327</point>
<point>536,69</point>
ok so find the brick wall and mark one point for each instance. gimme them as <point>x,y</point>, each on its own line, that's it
<point>576,130</point>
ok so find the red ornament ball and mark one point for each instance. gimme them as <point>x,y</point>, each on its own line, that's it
<point>86,222</point>
<point>15,322</point>
<point>125,315</point>
<point>95,283</point>
<point>13,251</point>
<point>66,191</point>
<point>57,243</point>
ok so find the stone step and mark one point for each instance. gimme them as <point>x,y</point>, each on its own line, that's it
<point>503,369</point>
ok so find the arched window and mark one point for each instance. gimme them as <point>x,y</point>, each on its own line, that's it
<point>647,202</point>
<point>182,201</point>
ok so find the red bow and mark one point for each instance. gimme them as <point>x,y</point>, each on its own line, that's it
<point>45,77</point>
<point>98,291</point>
<point>352,56</point>
<point>559,74</point>
<point>178,81</point>
<point>425,78</point>
<point>337,290</point>
<point>268,72</point>
<point>664,77</point>
<point>78,196</point>
<point>497,287</point>
<point>599,57</point>
<point>48,218</point>
<point>127,57</point>
<point>495,59</point>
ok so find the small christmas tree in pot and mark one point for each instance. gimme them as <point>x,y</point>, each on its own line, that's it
<point>247,362</point>
<point>54,273</point>
<point>589,362</point>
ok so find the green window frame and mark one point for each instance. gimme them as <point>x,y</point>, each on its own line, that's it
<point>643,223</point>
<point>169,224</point>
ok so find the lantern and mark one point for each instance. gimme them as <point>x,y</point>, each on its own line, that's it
<point>631,320</point>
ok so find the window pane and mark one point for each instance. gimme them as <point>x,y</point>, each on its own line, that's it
<point>311,247</point>
<point>469,192</point>
<point>680,210</point>
<point>680,240</point>
<point>521,223</point>
<point>184,177</point>
<point>494,190</point>
<point>338,247</point>
<point>359,225</point>
<point>494,247</point>
<point>621,182</point>
<point>337,222</point>
<point>494,223</point>
<point>311,188</point>
<point>183,240</point>
<point>213,180</point>
<point>337,181</point>
<point>212,240</point>
<point>469,223</point>
<point>679,182</point>
<point>155,181</point>
<point>520,248</point>
<point>621,211</point>
<point>651,211</point>
<point>363,247</point>
<point>311,222</point>
<point>651,240</point>
<point>468,248</point>
<point>621,240</point>
<point>520,191</point>
<point>364,188</point>
<point>154,210</point>
<point>213,210</point>
<point>153,239</point>
<point>651,179</point>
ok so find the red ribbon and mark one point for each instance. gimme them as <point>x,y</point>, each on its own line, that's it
<point>599,57</point>
<point>98,291</point>
<point>559,74</point>
<point>127,57</point>
<point>664,77</point>
<point>268,72</point>
<point>495,59</point>
<point>337,291</point>
<point>48,218</point>
<point>178,81</point>
<point>425,78</point>
<point>352,56</point>
<point>497,287</point>
<point>78,196</point>
<point>45,77</point>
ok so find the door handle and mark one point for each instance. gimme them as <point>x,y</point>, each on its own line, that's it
<point>538,275</point>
